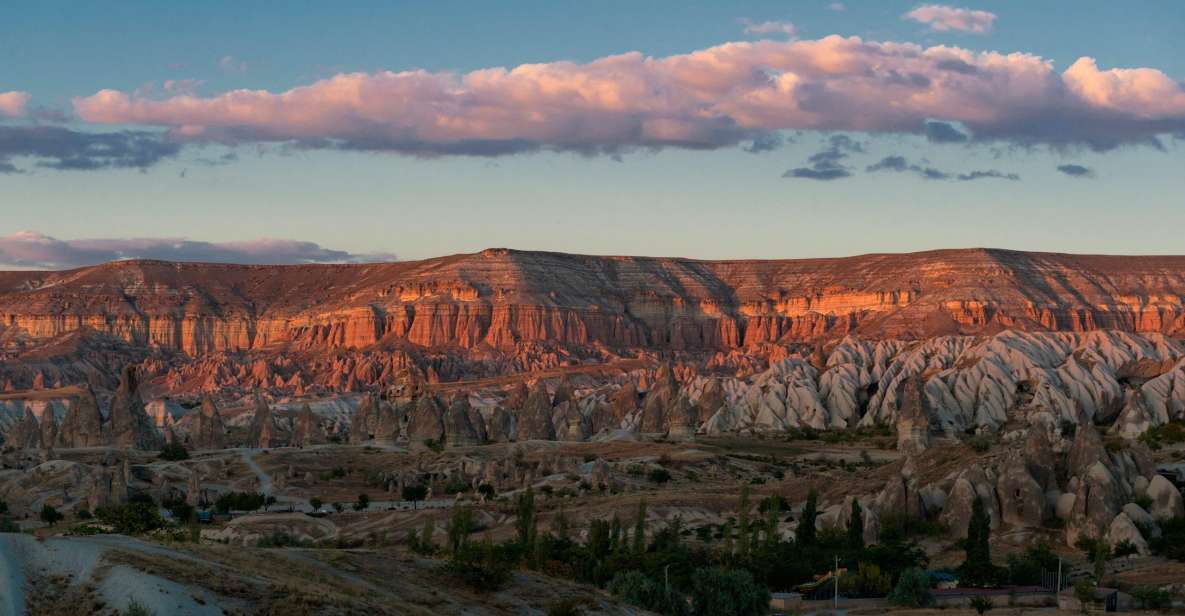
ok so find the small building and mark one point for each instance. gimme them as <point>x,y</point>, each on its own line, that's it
<point>789,601</point>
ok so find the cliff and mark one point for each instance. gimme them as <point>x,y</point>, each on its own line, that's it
<point>503,298</point>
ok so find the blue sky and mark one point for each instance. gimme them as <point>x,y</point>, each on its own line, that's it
<point>714,200</point>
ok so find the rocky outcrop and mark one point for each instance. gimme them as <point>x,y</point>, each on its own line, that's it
<point>83,423</point>
<point>26,434</point>
<point>1123,530</point>
<point>207,430</point>
<point>913,424</point>
<point>1166,498</point>
<point>130,426</point>
<point>459,430</point>
<point>1022,499</point>
<point>426,423</point>
<point>1097,500</point>
<point>262,432</point>
<point>534,420</point>
<point>500,427</point>
<point>307,430</point>
<point>501,298</point>
<point>365,420</point>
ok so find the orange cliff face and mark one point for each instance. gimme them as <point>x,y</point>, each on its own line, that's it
<point>503,298</point>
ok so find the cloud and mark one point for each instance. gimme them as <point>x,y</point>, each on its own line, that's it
<point>941,132</point>
<point>827,164</point>
<point>900,164</point>
<point>1076,171</point>
<point>232,65</point>
<point>712,98</point>
<point>942,18</point>
<point>55,147</point>
<point>837,7</point>
<point>13,104</point>
<point>769,27</point>
<point>34,250</point>
<point>765,143</point>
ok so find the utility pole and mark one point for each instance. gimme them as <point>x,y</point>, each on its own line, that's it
<point>1059,574</point>
<point>836,599</point>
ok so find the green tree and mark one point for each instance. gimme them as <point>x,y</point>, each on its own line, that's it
<point>734,592</point>
<point>982,604</point>
<point>526,522</point>
<point>363,502</point>
<point>415,494</point>
<point>49,515</point>
<point>173,452</point>
<point>743,523</point>
<point>912,589</point>
<point>640,528</point>
<point>977,569</point>
<point>805,534</point>
<point>460,525</point>
<point>315,503</point>
<point>856,528</point>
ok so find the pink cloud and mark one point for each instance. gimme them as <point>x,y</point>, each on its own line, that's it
<point>942,18</point>
<point>710,98</point>
<point>13,104</point>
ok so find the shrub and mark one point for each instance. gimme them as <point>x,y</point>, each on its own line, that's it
<point>1124,548</point>
<point>362,503</point>
<point>415,494</point>
<point>980,444</point>
<point>1171,542</point>
<point>636,588</point>
<point>982,604</point>
<point>281,539</point>
<point>49,515</point>
<point>659,475</point>
<point>239,501</point>
<point>84,514</point>
<point>868,581</point>
<point>173,452</point>
<point>135,608</point>
<point>717,591</point>
<point>131,518</point>
<point>912,590</point>
<point>1152,598</point>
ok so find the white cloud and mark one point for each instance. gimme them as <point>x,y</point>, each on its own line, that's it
<point>942,18</point>
<point>769,27</point>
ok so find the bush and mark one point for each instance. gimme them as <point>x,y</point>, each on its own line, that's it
<point>132,518</point>
<point>135,608</point>
<point>912,590</point>
<point>173,452</point>
<point>239,501</point>
<point>717,591</point>
<point>979,443</point>
<point>1166,434</point>
<point>50,516</point>
<point>363,502</point>
<point>659,475</point>
<point>982,604</point>
<point>84,514</point>
<point>867,581</point>
<point>281,539</point>
<point>1151,598</point>
<point>1124,548</point>
<point>636,588</point>
<point>1171,542</point>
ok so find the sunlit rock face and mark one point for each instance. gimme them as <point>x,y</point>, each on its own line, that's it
<point>502,298</point>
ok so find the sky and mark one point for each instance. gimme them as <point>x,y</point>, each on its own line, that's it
<point>271,132</point>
